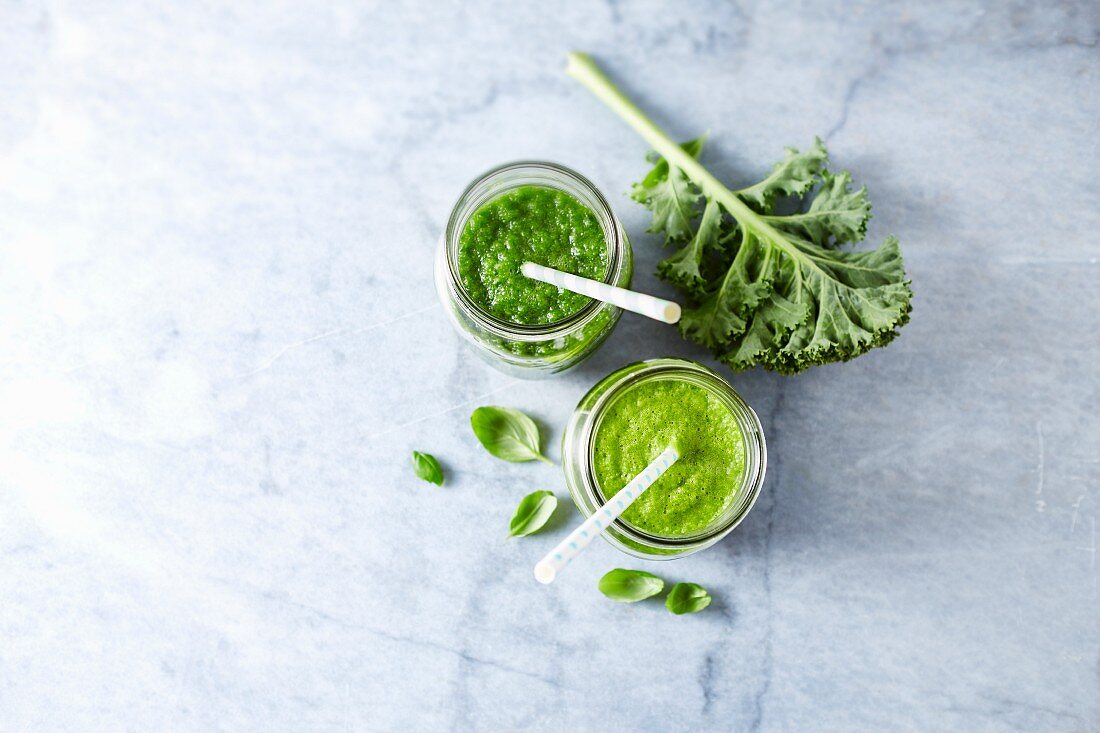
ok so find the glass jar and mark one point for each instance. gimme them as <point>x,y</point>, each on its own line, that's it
<point>522,350</point>
<point>578,446</point>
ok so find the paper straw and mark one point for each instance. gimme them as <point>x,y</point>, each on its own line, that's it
<point>549,567</point>
<point>647,305</point>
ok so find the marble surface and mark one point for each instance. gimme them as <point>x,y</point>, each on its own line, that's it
<point>219,342</point>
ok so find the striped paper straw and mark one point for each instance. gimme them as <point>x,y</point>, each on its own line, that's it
<point>647,305</point>
<point>549,567</point>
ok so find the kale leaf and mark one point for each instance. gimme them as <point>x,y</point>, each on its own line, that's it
<point>767,267</point>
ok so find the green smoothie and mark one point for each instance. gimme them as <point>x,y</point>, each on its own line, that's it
<point>644,420</point>
<point>536,224</point>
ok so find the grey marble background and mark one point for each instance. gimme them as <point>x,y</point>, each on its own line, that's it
<point>219,342</point>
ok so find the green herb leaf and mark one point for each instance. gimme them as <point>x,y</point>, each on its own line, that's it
<point>793,176</point>
<point>669,194</point>
<point>836,215</point>
<point>630,586</point>
<point>532,514</point>
<point>508,434</point>
<point>684,268</point>
<point>687,598</point>
<point>427,468</point>
<point>769,288</point>
<point>720,314</point>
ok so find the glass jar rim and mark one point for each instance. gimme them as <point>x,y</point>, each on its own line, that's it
<point>749,423</point>
<point>464,208</point>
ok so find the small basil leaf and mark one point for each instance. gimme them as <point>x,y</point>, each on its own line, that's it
<point>532,513</point>
<point>508,434</point>
<point>687,598</point>
<point>427,467</point>
<point>630,586</point>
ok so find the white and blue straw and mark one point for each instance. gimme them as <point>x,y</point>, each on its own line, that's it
<point>647,305</point>
<point>549,567</point>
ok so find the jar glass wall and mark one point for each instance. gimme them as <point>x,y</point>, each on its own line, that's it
<point>578,457</point>
<point>531,350</point>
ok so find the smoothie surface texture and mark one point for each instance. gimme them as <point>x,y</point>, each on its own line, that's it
<point>537,224</point>
<point>648,417</point>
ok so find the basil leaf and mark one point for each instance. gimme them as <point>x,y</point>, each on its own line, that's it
<point>630,586</point>
<point>508,434</point>
<point>532,513</point>
<point>687,598</point>
<point>427,468</point>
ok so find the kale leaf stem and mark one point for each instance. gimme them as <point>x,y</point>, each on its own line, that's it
<point>584,69</point>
